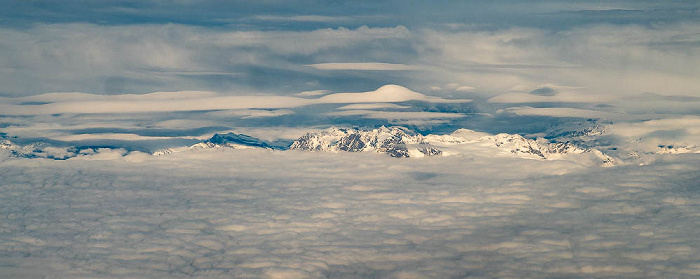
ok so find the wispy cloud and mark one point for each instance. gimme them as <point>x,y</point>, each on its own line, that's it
<point>567,112</point>
<point>146,58</point>
<point>373,106</point>
<point>363,66</point>
<point>397,115</point>
<point>304,18</point>
<point>564,97</point>
<point>313,93</point>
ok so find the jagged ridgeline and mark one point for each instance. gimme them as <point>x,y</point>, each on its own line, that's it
<point>233,139</point>
<point>395,141</point>
<point>401,142</point>
<point>229,140</point>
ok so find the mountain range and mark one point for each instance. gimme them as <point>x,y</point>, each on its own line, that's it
<point>398,142</point>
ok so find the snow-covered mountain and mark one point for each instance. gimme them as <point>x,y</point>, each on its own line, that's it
<point>677,149</point>
<point>464,141</point>
<point>229,140</point>
<point>400,142</point>
<point>42,150</point>
<point>573,145</point>
<point>395,141</point>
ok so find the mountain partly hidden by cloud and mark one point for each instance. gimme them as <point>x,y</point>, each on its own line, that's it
<point>306,139</point>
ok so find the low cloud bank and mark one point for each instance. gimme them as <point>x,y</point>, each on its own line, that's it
<point>220,214</point>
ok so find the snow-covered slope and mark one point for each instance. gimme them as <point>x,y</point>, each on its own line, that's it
<point>400,142</point>
<point>230,140</point>
<point>465,141</point>
<point>582,146</point>
<point>395,141</point>
<point>677,149</point>
<point>40,150</point>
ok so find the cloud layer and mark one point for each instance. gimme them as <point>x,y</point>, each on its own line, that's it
<point>82,103</point>
<point>220,214</point>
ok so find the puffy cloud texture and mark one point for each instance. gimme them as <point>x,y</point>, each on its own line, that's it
<point>221,214</point>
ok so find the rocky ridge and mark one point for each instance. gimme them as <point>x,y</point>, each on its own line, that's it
<point>395,141</point>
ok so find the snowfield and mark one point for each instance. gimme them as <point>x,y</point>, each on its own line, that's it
<point>253,213</point>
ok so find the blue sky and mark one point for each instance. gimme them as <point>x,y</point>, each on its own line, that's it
<point>518,66</point>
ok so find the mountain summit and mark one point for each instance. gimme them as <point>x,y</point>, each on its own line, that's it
<point>401,142</point>
<point>395,141</point>
<point>229,140</point>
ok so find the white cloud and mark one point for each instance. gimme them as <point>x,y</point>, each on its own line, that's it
<point>397,115</point>
<point>82,103</point>
<point>113,136</point>
<point>83,116</point>
<point>304,18</point>
<point>566,112</point>
<point>180,123</point>
<point>689,123</point>
<point>251,113</point>
<point>313,93</point>
<point>465,88</point>
<point>619,60</point>
<point>137,105</point>
<point>648,135</point>
<point>219,212</point>
<point>143,58</point>
<point>363,66</point>
<point>561,97</point>
<point>78,96</point>
<point>385,94</point>
<point>373,106</point>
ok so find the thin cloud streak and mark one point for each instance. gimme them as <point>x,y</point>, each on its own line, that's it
<point>364,66</point>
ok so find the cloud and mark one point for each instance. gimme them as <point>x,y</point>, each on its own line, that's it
<point>618,60</point>
<point>113,136</point>
<point>684,131</point>
<point>598,64</point>
<point>77,96</point>
<point>544,91</point>
<point>168,57</point>
<point>566,112</point>
<point>396,115</point>
<point>465,88</point>
<point>140,106</point>
<point>373,106</point>
<point>251,113</point>
<point>607,67</point>
<point>363,66</point>
<point>167,119</point>
<point>304,18</point>
<point>313,93</point>
<point>385,94</point>
<point>83,103</point>
<point>561,97</point>
<point>220,212</point>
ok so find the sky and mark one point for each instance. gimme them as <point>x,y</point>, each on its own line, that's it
<point>518,66</point>
<point>112,82</point>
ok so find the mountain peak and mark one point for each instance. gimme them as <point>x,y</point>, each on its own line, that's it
<point>233,138</point>
<point>395,141</point>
